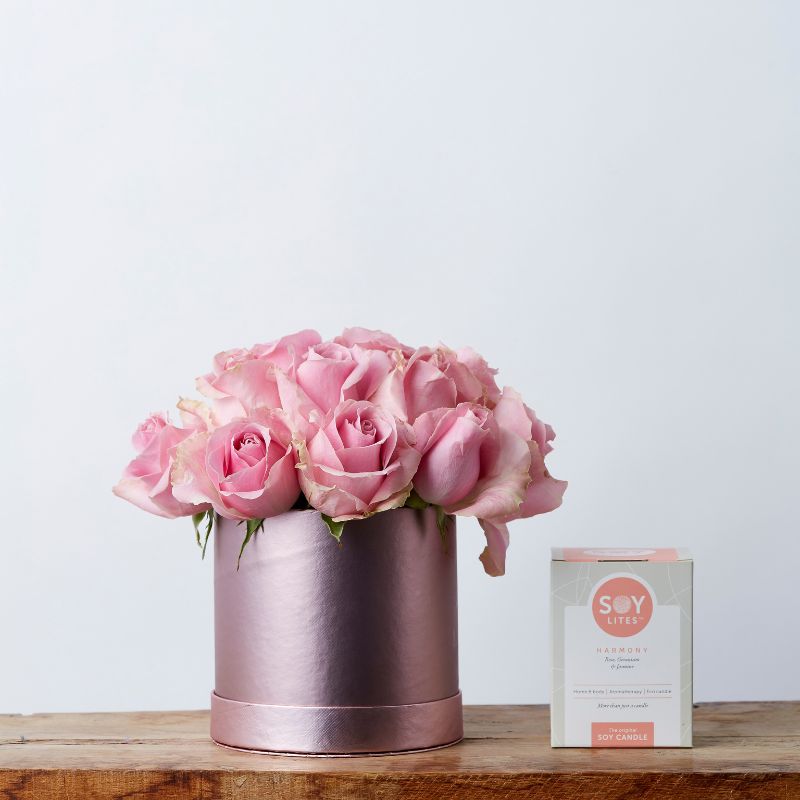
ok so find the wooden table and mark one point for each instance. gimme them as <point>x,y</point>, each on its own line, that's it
<point>742,750</point>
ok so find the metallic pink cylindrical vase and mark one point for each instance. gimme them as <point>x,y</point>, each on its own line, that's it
<point>331,649</point>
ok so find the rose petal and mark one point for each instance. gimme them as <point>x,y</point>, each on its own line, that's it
<point>321,377</point>
<point>372,340</point>
<point>493,556</point>
<point>426,388</point>
<point>372,367</point>
<point>504,479</point>
<point>135,491</point>
<point>361,459</point>
<point>390,394</point>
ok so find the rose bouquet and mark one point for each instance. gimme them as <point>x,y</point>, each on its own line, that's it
<point>349,427</point>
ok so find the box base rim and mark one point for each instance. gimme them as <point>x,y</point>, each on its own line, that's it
<point>336,730</point>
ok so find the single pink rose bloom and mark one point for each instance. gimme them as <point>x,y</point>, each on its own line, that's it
<point>543,492</point>
<point>469,388</point>
<point>450,441</point>
<point>488,464</point>
<point>243,381</point>
<point>470,465</point>
<point>434,378</point>
<point>245,469</point>
<point>331,373</point>
<point>415,386</point>
<point>146,481</point>
<point>148,430</point>
<point>356,460</point>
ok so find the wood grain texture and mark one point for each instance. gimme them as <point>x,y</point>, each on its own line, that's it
<point>742,750</point>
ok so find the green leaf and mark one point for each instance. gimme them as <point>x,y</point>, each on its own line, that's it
<point>252,526</point>
<point>415,501</point>
<point>196,520</point>
<point>441,521</point>
<point>335,528</point>
<point>209,526</point>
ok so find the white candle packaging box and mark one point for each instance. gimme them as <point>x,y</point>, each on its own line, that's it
<point>621,630</point>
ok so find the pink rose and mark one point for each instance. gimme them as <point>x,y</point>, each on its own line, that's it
<point>415,386</point>
<point>472,377</point>
<point>332,372</point>
<point>468,388</point>
<point>146,481</point>
<point>436,378</point>
<point>487,464</point>
<point>243,381</point>
<point>470,465</point>
<point>357,460</point>
<point>245,469</point>
<point>543,492</point>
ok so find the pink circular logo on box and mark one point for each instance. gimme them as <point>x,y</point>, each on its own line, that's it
<point>622,606</point>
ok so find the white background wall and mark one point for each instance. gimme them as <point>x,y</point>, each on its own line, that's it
<point>600,197</point>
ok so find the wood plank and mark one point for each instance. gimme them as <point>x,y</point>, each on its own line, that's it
<point>747,750</point>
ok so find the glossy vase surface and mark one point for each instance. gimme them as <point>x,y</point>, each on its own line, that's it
<point>337,649</point>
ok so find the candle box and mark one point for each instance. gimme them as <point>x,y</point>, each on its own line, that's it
<point>621,635</point>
